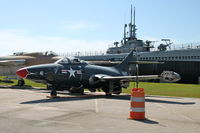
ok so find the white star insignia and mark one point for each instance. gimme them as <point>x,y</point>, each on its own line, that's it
<point>71,72</point>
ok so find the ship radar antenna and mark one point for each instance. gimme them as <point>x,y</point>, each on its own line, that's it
<point>132,25</point>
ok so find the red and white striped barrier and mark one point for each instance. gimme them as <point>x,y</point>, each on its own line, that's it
<point>137,104</point>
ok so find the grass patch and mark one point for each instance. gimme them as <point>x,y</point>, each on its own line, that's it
<point>27,82</point>
<point>168,89</point>
<point>163,89</point>
<point>34,84</point>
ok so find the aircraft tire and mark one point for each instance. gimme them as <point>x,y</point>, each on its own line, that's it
<point>117,91</point>
<point>81,91</point>
<point>106,90</point>
<point>20,82</point>
<point>53,92</point>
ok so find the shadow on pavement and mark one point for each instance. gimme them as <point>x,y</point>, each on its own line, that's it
<point>25,87</point>
<point>147,121</point>
<point>168,102</point>
<point>91,96</point>
<point>73,97</point>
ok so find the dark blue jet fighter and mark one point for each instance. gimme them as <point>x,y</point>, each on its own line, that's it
<point>74,75</point>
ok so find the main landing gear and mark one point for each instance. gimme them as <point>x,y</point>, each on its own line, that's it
<point>53,93</point>
<point>79,90</point>
<point>53,90</point>
<point>20,82</point>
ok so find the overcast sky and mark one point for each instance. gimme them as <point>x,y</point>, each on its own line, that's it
<point>91,25</point>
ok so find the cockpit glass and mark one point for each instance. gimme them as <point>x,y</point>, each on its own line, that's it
<point>74,60</point>
<point>66,60</point>
<point>63,61</point>
<point>50,53</point>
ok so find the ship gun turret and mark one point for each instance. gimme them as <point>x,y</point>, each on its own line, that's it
<point>148,45</point>
<point>163,47</point>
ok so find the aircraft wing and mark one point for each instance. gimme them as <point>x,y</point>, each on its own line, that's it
<point>168,76</point>
<point>12,62</point>
<point>130,78</point>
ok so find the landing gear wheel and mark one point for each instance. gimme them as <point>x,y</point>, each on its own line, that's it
<point>106,90</point>
<point>20,82</point>
<point>117,90</point>
<point>53,93</point>
<point>81,91</point>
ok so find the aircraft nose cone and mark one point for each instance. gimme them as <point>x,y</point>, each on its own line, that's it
<point>22,72</point>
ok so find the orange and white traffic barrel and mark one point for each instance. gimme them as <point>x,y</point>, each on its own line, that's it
<point>137,104</point>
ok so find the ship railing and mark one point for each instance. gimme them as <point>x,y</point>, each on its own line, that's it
<point>194,45</point>
<point>83,53</point>
<point>181,46</point>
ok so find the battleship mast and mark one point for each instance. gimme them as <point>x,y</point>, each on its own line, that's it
<point>130,25</point>
<point>130,41</point>
<point>134,27</point>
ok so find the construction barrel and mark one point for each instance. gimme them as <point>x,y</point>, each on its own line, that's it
<point>137,104</point>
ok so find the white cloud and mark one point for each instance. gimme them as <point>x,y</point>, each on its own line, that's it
<point>19,41</point>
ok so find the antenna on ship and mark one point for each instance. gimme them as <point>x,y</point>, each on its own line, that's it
<point>125,33</point>
<point>132,25</point>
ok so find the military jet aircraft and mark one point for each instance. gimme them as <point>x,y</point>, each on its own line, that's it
<point>74,75</point>
<point>9,64</point>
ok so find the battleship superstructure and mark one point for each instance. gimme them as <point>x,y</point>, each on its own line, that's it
<point>185,61</point>
<point>130,41</point>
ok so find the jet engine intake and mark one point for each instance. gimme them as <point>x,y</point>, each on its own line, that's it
<point>93,80</point>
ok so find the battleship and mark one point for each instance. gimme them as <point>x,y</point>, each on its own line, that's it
<point>185,61</point>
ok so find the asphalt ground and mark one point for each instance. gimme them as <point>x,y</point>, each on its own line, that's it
<point>30,111</point>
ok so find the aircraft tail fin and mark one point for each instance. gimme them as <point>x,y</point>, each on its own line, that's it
<point>124,66</point>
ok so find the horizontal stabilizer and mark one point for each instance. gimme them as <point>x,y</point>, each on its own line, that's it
<point>145,62</point>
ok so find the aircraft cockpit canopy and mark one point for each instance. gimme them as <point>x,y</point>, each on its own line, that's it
<point>67,60</point>
<point>50,53</point>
